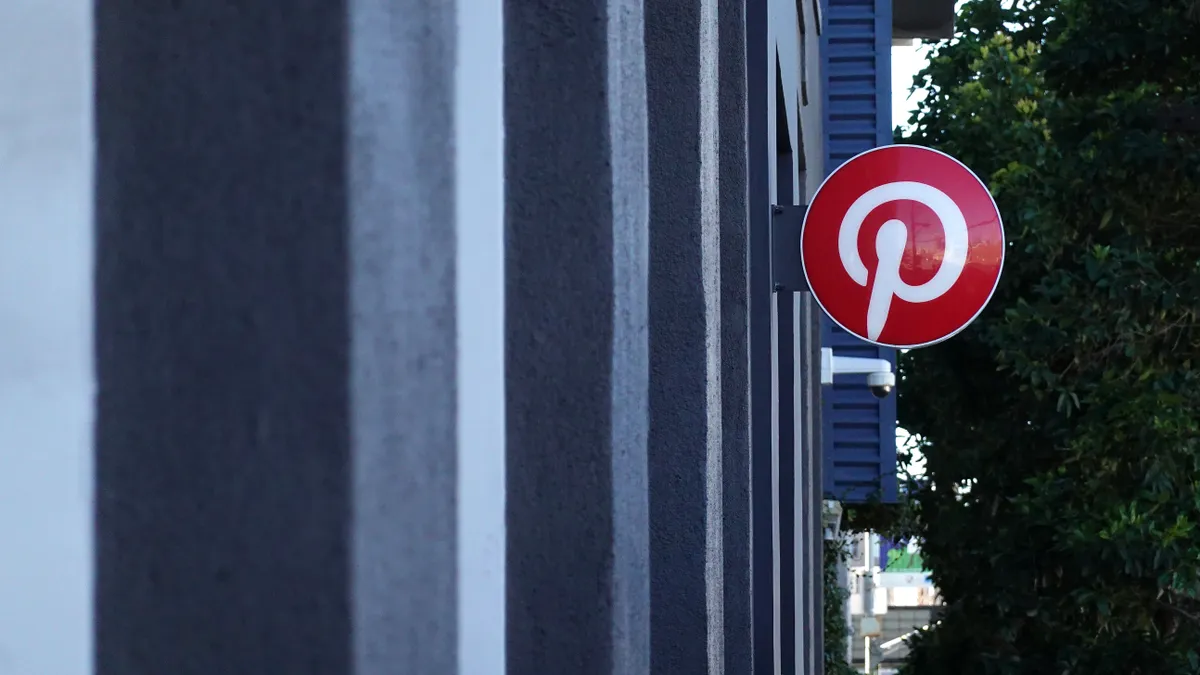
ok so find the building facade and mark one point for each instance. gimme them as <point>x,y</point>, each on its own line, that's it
<point>442,337</point>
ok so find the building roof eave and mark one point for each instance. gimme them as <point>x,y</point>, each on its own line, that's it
<point>922,19</point>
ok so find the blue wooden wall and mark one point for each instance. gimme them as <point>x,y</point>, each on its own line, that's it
<point>859,430</point>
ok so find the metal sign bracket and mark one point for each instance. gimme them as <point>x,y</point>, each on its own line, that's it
<point>787,271</point>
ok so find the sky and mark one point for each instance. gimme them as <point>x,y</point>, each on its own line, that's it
<point>906,62</point>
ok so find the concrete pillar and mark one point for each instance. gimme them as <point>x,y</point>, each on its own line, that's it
<point>300,430</point>
<point>627,353</point>
<point>685,329</point>
<point>699,423</point>
<point>577,351</point>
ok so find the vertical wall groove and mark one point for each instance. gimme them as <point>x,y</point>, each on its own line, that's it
<point>760,70</point>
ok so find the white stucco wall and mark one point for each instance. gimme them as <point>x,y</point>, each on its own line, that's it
<point>45,337</point>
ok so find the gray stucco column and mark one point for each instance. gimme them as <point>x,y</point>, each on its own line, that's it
<point>733,193</point>
<point>699,423</point>
<point>577,345</point>
<point>299,288</point>
<point>627,347</point>
<point>686,561</point>
<point>698,387</point>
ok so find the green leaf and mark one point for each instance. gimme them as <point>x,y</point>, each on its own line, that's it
<point>1071,406</point>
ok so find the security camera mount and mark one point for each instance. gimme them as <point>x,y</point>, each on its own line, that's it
<point>832,365</point>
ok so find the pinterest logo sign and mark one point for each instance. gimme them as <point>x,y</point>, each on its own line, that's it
<point>902,246</point>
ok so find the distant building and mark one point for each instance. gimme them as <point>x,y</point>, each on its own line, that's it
<point>902,598</point>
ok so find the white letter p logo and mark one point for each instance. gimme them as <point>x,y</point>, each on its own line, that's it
<point>890,242</point>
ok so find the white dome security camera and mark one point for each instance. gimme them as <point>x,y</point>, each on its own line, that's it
<point>881,384</point>
<point>880,378</point>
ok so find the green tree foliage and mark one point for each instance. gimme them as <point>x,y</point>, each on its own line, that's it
<point>837,631</point>
<point>1059,508</point>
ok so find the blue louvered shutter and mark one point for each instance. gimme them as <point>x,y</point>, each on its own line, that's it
<point>859,430</point>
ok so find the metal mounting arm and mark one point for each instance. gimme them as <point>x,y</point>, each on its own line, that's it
<point>850,365</point>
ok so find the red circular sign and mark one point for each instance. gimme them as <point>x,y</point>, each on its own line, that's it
<point>902,246</point>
